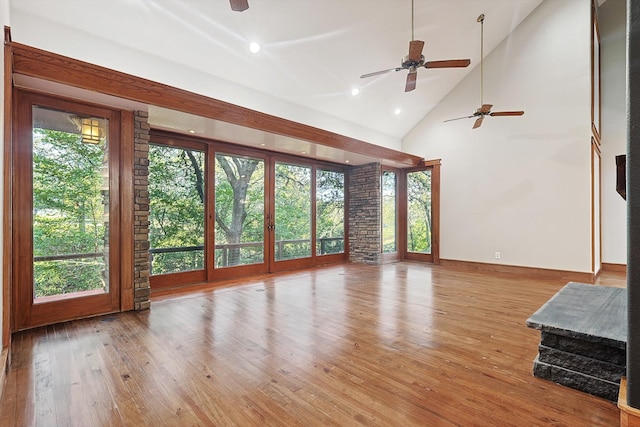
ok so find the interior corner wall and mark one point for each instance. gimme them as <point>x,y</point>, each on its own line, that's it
<point>4,20</point>
<point>364,214</point>
<point>520,186</point>
<point>612,18</point>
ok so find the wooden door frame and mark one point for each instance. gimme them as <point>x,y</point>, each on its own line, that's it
<point>434,256</point>
<point>314,259</point>
<point>169,280</point>
<point>225,273</point>
<point>7,201</point>
<point>391,256</point>
<point>26,312</point>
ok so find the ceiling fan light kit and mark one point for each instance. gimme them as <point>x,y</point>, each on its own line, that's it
<point>415,59</point>
<point>484,109</point>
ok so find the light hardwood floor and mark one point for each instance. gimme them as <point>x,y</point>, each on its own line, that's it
<point>404,344</point>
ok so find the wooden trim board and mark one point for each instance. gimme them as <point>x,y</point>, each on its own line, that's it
<point>620,268</point>
<point>629,417</point>
<point>533,272</point>
<point>4,366</point>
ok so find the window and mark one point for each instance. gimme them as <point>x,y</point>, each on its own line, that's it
<point>239,211</point>
<point>329,212</point>
<point>176,204</point>
<point>419,212</point>
<point>389,218</point>
<point>292,211</point>
<point>70,203</point>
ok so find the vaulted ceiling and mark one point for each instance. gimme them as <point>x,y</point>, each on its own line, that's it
<point>312,55</point>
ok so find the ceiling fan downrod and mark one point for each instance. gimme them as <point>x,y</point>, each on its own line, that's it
<point>481,21</point>
<point>412,21</point>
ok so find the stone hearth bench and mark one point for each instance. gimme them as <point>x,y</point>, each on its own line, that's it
<point>583,331</point>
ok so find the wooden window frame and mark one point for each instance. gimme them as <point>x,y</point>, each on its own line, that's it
<point>387,257</point>
<point>168,280</point>
<point>211,274</point>
<point>434,256</point>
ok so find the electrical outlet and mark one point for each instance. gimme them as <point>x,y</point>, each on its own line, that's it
<point>497,255</point>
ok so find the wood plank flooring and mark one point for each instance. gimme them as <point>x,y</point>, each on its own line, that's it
<point>404,344</point>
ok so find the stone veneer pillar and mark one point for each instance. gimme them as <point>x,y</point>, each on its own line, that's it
<point>364,214</point>
<point>141,211</point>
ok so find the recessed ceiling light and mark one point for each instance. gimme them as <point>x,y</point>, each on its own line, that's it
<point>355,91</point>
<point>254,47</point>
<point>346,161</point>
<point>262,144</point>
<point>192,131</point>
<point>397,111</point>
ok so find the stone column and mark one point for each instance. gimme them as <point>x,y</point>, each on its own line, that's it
<point>364,214</point>
<point>141,211</point>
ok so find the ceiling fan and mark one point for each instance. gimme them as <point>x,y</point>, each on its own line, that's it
<point>239,5</point>
<point>415,59</point>
<point>485,109</point>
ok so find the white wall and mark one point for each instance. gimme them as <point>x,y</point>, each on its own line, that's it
<point>519,185</point>
<point>612,19</point>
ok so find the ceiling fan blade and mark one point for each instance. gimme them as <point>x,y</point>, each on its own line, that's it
<point>485,109</point>
<point>411,81</point>
<point>364,76</point>
<point>478,122</point>
<point>507,113</point>
<point>239,5</point>
<point>458,118</point>
<point>448,63</point>
<point>415,50</point>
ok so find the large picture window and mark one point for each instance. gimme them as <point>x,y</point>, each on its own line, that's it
<point>389,212</point>
<point>70,203</point>
<point>329,212</point>
<point>239,211</point>
<point>176,210</point>
<point>419,211</point>
<point>292,211</point>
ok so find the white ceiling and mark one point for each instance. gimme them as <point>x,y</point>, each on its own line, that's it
<point>313,51</point>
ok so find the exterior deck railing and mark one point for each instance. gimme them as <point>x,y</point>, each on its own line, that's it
<point>280,247</point>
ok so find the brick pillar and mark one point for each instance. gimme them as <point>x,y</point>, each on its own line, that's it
<point>365,244</point>
<point>141,211</point>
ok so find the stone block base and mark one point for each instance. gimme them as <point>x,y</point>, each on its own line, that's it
<point>577,380</point>
<point>583,339</point>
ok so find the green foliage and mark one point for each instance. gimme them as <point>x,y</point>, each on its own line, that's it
<point>329,212</point>
<point>388,212</point>
<point>293,211</point>
<point>419,211</point>
<point>239,210</point>
<point>68,276</point>
<point>70,196</point>
<point>176,217</point>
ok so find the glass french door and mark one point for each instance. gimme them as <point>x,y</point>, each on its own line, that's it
<point>66,216</point>
<point>389,215</point>
<point>421,214</point>
<point>292,207</point>
<point>177,212</point>
<point>240,221</point>
<point>220,212</point>
<point>308,212</point>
